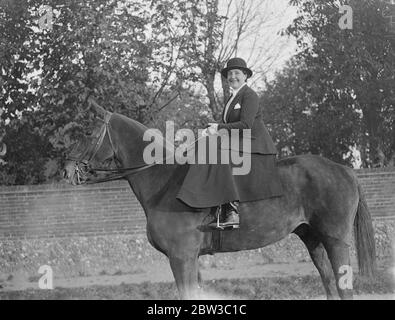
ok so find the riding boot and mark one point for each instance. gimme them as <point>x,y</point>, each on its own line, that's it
<point>231,215</point>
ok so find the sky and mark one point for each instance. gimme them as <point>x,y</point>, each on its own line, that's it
<point>264,49</point>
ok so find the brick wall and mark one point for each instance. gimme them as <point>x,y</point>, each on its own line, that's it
<point>379,189</point>
<point>61,210</point>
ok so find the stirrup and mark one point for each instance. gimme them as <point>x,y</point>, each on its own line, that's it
<point>217,225</point>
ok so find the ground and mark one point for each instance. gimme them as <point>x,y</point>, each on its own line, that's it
<point>243,280</point>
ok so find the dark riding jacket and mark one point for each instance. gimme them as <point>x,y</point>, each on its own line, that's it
<point>245,113</point>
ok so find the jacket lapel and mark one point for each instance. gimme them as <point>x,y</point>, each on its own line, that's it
<point>224,108</point>
<point>234,102</point>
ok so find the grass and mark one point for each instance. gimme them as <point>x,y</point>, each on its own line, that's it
<point>290,288</point>
<point>34,278</point>
<point>118,273</point>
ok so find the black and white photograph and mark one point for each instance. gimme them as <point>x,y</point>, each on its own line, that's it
<point>219,151</point>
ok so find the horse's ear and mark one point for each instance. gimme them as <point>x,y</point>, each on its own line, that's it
<point>99,109</point>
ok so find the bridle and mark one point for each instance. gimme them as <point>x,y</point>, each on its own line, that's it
<point>88,154</point>
<point>82,167</point>
<point>82,160</point>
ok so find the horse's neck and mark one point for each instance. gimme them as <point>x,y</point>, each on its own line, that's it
<point>152,182</point>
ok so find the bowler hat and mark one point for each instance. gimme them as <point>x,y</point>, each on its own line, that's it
<point>236,63</point>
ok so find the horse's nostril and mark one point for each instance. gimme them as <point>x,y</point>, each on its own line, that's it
<point>65,174</point>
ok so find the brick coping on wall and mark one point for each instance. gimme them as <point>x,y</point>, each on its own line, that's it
<point>375,170</point>
<point>363,172</point>
<point>64,187</point>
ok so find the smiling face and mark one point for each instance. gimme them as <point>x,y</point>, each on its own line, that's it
<point>236,78</point>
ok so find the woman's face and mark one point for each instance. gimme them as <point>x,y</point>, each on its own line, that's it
<point>236,78</point>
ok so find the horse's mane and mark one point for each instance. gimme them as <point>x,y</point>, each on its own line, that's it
<point>138,126</point>
<point>140,129</point>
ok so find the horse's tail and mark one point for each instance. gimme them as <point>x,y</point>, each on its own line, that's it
<point>364,238</point>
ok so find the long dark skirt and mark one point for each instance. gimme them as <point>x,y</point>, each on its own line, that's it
<point>209,185</point>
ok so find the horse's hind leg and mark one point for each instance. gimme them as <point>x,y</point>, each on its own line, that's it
<point>339,255</point>
<point>320,259</point>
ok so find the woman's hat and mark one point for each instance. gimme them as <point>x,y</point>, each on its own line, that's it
<point>236,63</point>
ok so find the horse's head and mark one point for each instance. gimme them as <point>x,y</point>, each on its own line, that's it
<point>93,147</point>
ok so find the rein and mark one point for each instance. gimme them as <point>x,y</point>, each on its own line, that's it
<point>117,174</point>
<point>82,165</point>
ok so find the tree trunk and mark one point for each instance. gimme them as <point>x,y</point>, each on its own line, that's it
<point>372,122</point>
<point>215,107</point>
<point>225,89</point>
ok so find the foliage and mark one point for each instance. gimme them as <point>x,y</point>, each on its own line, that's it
<point>120,52</point>
<point>338,92</point>
<point>157,60</point>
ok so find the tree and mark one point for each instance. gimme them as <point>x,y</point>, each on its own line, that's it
<point>301,121</point>
<point>93,47</point>
<point>147,60</point>
<point>3,146</point>
<point>125,53</point>
<point>220,30</point>
<point>347,81</point>
<point>254,29</point>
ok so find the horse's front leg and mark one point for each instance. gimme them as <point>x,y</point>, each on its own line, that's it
<point>185,270</point>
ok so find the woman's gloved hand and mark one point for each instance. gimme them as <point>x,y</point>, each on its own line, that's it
<point>211,130</point>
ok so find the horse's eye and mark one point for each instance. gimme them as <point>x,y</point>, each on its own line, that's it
<point>89,132</point>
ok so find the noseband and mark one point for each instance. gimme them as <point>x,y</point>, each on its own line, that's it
<point>82,160</point>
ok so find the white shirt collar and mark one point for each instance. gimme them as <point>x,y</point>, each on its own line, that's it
<point>235,92</point>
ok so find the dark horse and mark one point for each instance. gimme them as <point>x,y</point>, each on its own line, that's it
<point>322,202</point>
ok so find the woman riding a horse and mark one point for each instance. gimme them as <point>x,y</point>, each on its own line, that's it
<point>321,201</point>
<point>212,185</point>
